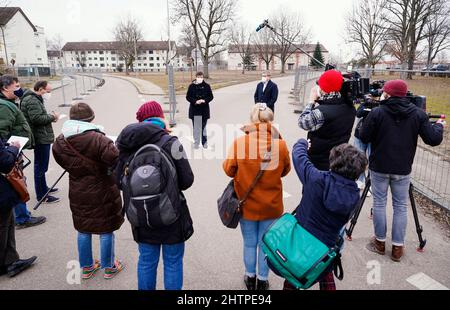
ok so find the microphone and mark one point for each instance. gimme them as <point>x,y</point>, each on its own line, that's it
<point>262,26</point>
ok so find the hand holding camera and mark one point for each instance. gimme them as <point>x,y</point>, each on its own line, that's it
<point>56,116</point>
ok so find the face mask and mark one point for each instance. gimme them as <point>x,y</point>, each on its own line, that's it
<point>47,96</point>
<point>199,80</point>
<point>19,93</point>
<point>383,97</point>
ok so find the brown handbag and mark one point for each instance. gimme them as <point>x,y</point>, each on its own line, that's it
<point>17,180</point>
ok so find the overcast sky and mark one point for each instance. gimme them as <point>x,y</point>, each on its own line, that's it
<point>93,20</point>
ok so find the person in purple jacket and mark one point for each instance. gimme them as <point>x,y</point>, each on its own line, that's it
<point>329,197</point>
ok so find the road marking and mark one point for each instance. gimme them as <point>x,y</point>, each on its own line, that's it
<point>424,282</point>
<point>286,195</point>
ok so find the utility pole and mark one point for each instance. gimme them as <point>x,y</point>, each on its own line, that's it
<point>135,55</point>
<point>171,84</point>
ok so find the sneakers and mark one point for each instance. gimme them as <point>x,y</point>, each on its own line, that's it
<point>51,200</point>
<point>250,283</point>
<point>54,191</point>
<point>397,253</point>
<point>34,221</point>
<point>89,272</point>
<point>376,246</point>
<point>112,272</point>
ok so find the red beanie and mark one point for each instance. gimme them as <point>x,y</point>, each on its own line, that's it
<point>396,88</point>
<point>149,110</point>
<point>331,81</point>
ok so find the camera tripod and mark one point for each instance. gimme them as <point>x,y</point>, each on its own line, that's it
<point>354,220</point>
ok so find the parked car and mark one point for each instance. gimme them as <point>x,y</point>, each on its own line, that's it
<point>437,70</point>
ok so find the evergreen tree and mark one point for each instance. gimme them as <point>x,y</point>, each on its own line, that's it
<point>317,55</point>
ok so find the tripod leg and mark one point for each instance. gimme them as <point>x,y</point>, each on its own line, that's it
<point>349,231</point>
<point>45,196</point>
<point>419,228</point>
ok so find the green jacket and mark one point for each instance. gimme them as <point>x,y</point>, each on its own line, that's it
<point>40,121</point>
<point>13,123</point>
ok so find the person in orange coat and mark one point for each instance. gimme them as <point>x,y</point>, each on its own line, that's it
<point>265,203</point>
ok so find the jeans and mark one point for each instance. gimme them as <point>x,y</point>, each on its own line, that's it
<point>106,250</point>
<point>366,149</point>
<point>41,160</point>
<point>148,266</point>
<point>400,194</point>
<point>199,124</point>
<point>21,213</point>
<point>252,232</point>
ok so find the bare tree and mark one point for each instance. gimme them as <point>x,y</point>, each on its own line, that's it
<point>56,44</point>
<point>187,38</point>
<point>292,30</point>
<point>438,31</point>
<point>210,20</point>
<point>406,21</point>
<point>128,33</point>
<point>265,47</point>
<point>367,27</point>
<point>241,37</point>
<point>80,57</point>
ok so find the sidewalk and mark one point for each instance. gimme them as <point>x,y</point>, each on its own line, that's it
<point>143,87</point>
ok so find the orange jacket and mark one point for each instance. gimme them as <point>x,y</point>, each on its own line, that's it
<point>243,163</point>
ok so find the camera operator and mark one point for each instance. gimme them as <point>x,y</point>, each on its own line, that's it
<point>328,118</point>
<point>393,130</point>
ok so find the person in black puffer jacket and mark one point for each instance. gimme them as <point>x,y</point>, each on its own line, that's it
<point>152,129</point>
<point>329,119</point>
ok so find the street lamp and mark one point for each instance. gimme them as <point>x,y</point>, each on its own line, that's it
<point>171,84</point>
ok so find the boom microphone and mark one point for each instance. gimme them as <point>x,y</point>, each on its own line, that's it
<point>262,26</point>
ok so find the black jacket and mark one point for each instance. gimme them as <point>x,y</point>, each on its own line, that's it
<point>8,196</point>
<point>198,92</point>
<point>393,129</point>
<point>336,130</point>
<point>361,113</point>
<point>268,96</point>
<point>129,142</point>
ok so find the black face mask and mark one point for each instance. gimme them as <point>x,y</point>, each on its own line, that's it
<point>19,92</point>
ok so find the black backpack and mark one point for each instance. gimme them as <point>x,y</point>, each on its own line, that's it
<point>150,186</point>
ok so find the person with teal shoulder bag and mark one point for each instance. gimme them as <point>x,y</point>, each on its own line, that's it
<point>304,246</point>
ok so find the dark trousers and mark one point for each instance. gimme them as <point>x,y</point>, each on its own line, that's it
<point>199,124</point>
<point>8,253</point>
<point>41,159</point>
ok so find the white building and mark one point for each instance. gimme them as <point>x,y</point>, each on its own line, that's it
<point>56,60</point>
<point>104,56</point>
<point>21,42</point>
<point>296,60</point>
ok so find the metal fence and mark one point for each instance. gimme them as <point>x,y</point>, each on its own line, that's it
<point>431,169</point>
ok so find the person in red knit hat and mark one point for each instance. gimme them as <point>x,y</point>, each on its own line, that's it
<point>151,112</point>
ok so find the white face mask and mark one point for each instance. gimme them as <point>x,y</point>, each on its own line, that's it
<point>47,96</point>
<point>199,80</point>
<point>383,97</point>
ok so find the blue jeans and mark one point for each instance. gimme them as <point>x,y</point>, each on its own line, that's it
<point>252,232</point>
<point>366,149</point>
<point>21,213</point>
<point>41,160</point>
<point>106,250</point>
<point>148,266</point>
<point>400,194</point>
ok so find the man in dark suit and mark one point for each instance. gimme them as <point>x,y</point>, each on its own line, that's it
<point>267,91</point>
<point>199,96</point>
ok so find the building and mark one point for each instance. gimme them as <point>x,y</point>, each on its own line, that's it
<point>297,59</point>
<point>22,43</point>
<point>56,60</point>
<point>105,56</point>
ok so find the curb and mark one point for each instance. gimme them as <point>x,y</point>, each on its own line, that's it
<point>135,85</point>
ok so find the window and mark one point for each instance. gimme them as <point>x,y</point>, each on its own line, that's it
<point>151,58</point>
<point>101,52</point>
<point>150,52</point>
<point>139,58</point>
<point>89,52</point>
<point>113,52</point>
<point>90,58</point>
<point>113,58</point>
<point>157,58</point>
<point>90,65</point>
<point>95,58</point>
<point>102,65</point>
<point>38,46</point>
<point>139,65</point>
<point>96,65</point>
<point>152,65</point>
<point>159,65</point>
<point>39,59</point>
<point>144,58</point>
<point>102,58</point>
<point>114,65</point>
<point>145,65</point>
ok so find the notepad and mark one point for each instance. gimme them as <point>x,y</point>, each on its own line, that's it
<point>21,140</point>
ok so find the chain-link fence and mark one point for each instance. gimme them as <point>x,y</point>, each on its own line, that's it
<point>431,170</point>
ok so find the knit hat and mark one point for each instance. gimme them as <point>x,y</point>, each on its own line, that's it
<point>331,81</point>
<point>149,110</point>
<point>396,88</point>
<point>82,112</point>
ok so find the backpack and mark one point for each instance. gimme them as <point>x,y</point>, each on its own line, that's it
<point>150,186</point>
<point>296,255</point>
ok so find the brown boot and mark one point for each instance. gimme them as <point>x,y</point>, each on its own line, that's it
<point>397,253</point>
<point>376,246</point>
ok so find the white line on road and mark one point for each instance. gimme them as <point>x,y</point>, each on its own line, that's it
<point>424,282</point>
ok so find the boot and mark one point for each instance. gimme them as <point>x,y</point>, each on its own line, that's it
<point>397,253</point>
<point>250,283</point>
<point>262,285</point>
<point>376,246</point>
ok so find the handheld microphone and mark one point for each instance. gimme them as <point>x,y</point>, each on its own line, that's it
<point>262,26</point>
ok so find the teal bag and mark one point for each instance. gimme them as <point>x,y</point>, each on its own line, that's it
<point>296,255</point>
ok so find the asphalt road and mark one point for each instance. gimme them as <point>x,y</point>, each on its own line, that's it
<point>214,254</point>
